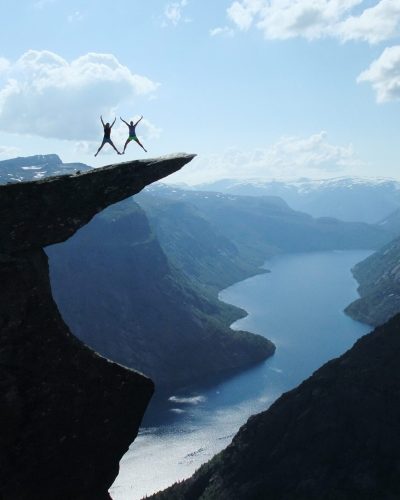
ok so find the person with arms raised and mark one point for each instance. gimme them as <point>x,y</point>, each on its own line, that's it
<point>132,134</point>
<point>107,136</point>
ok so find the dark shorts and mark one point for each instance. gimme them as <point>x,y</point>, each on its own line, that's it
<point>133,138</point>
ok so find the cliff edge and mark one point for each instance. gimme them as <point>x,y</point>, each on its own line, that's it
<point>68,415</point>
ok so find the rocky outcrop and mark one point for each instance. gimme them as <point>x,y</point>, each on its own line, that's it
<point>37,214</point>
<point>68,415</point>
<point>335,437</point>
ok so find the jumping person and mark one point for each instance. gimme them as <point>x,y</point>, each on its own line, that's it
<point>132,134</point>
<point>107,136</point>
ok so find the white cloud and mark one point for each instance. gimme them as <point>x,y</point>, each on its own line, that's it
<point>45,95</point>
<point>289,157</point>
<point>341,19</point>
<point>8,152</point>
<point>312,19</point>
<point>282,19</point>
<point>4,65</point>
<point>151,131</point>
<point>173,11</point>
<point>384,75</point>
<point>84,147</point>
<point>375,24</point>
<point>243,12</point>
<point>222,31</point>
<point>312,152</point>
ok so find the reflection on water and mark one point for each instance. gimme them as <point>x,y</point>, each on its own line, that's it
<point>299,307</point>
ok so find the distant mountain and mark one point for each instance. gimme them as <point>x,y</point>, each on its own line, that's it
<point>391,223</point>
<point>334,437</point>
<point>193,243</point>
<point>379,279</point>
<point>259,227</point>
<point>118,292</point>
<point>37,167</point>
<point>348,199</point>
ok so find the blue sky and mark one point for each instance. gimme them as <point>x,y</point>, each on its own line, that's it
<point>257,88</point>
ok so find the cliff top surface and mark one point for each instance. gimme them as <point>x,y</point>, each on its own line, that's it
<point>38,213</point>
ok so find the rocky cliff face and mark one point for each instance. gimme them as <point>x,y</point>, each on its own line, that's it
<point>37,214</point>
<point>68,415</point>
<point>335,437</point>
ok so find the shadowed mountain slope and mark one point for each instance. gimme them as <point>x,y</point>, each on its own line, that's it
<point>335,437</point>
<point>258,227</point>
<point>379,279</point>
<point>120,294</point>
<point>194,244</point>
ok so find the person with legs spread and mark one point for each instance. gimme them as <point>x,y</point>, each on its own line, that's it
<point>107,136</point>
<point>132,134</point>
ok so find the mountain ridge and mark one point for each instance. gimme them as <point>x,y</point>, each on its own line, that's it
<point>345,198</point>
<point>259,227</point>
<point>30,168</point>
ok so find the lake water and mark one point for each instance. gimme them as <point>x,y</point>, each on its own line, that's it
<point>299,306</point>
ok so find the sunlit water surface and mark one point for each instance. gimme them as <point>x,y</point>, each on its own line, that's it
<point>299,306</point>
